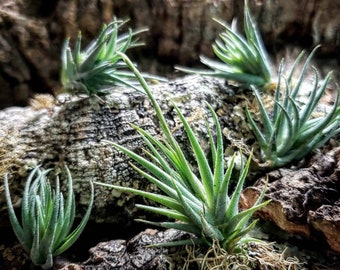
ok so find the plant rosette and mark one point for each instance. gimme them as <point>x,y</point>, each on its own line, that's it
<point>198,203</point>
<point>46,217</point>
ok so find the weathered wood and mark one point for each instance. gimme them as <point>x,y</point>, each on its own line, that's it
<point>133,254</point>
<point>32,33</point>
<point>304,200</point>
<point>71,133</point>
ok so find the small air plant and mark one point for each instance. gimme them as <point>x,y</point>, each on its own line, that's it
<point>46,218</point>
<point>244,59</point>
<point>289,131</point>
<point>99,67</point>
<point>198,202</point>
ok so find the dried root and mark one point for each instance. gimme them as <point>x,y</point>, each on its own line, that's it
<point>256,256</point>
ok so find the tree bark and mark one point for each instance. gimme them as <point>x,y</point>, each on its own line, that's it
<point>304,201</point>
<point>133,254</point>
<point>71,133</point>
<point>32,33</point>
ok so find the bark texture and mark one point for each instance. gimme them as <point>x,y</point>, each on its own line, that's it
<point>32,33</point>
<point>71,133</point>
<point>304,201</point>
<point>133,254</point>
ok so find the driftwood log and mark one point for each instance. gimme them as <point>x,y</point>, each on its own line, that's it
<point>71,133</point>
<point>32,33</point>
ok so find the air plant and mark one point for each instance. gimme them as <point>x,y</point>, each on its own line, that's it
<point>99,66</point>
<point>199,202</point>
<point>289,131</point>
<point>244,59</point>
<point>46,217</point>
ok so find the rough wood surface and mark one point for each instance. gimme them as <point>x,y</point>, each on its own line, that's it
<point>304,201</point>
<point>132,254</point>
<point>32,32</point>
<point>71,133</point>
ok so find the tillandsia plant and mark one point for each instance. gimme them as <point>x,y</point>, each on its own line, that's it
<point>244,59</point>
<point>46,217</point>
<point>289,131</point>
<point>198,202</point>
<point>99,66</point>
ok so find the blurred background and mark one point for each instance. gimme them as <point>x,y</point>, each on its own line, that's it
<point>32,33</point>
